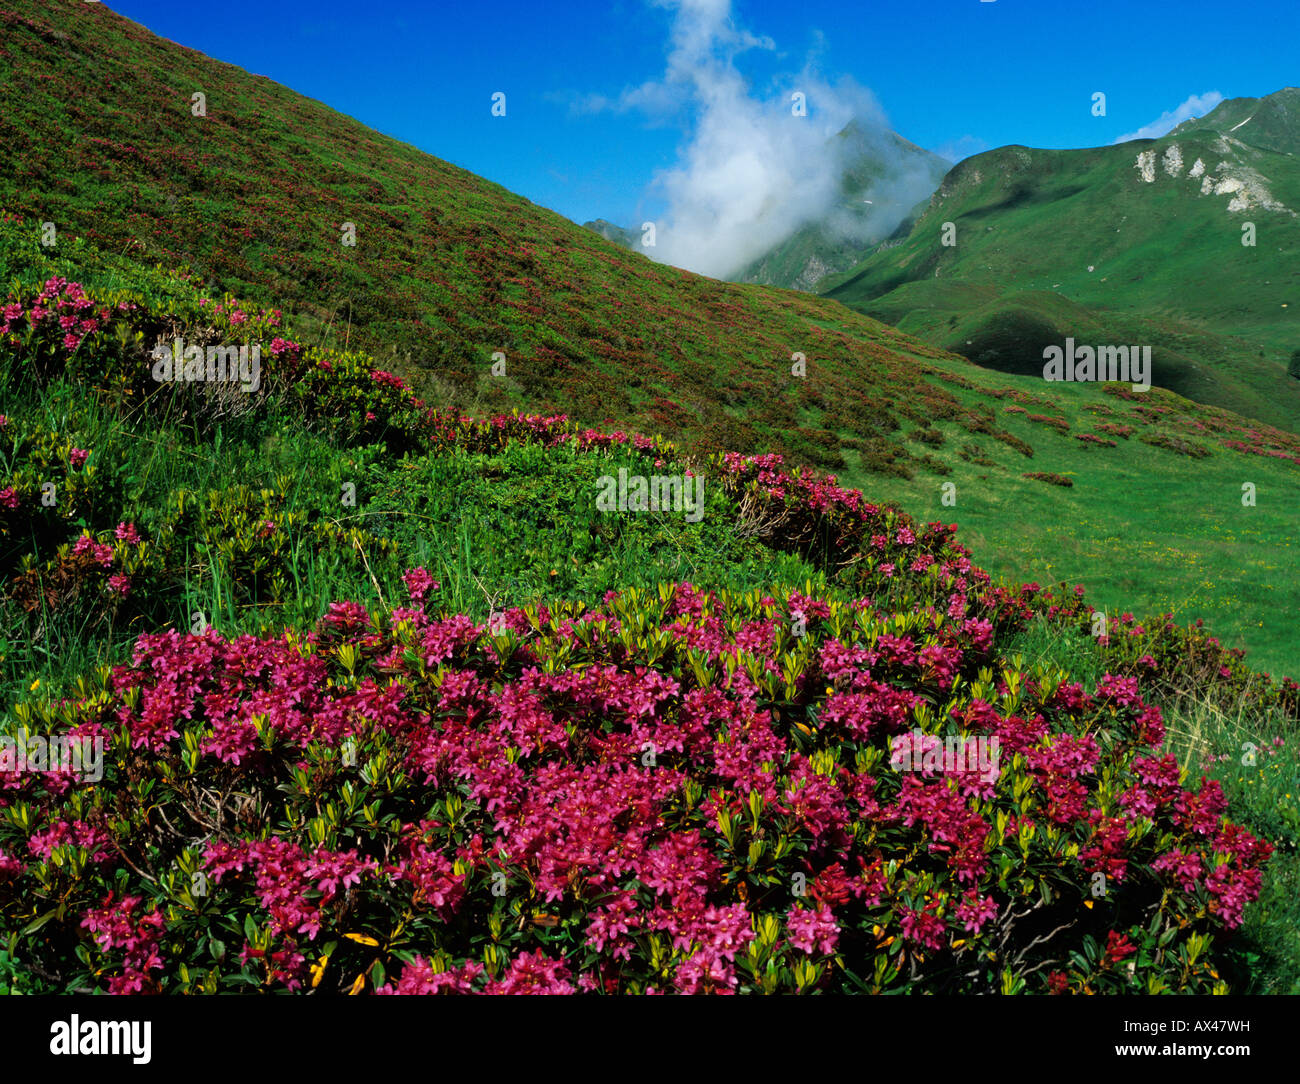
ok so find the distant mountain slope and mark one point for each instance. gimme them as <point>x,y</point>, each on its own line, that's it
<point>616,234</point>
<point>1271,123</point>
<point>883,179</point>
<point>1147,234</point>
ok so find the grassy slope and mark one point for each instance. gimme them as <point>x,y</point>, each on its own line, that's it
<point>1169,268</point>
<point>449,268</point>
<point>1131,526</point>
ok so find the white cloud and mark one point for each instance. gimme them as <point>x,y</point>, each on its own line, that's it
<point>705,42</point>
<point>749,172</point>
<point>955,150</point>
<point>652,98</point>
<point>1195,106</point>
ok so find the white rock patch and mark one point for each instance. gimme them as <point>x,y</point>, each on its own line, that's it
<point>1173,160</point>
<point>1146,163</point>
<point>1198,167</point>
<point>1245,186</point>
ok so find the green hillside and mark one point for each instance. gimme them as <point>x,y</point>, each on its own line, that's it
<point>449,269</point>
<point>1146,235</point>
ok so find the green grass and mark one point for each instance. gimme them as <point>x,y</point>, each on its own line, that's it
<point>522,525</point>
<point>1134,528</point>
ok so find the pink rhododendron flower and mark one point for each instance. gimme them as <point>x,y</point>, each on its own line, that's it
<point>975,911</point>
<point>101,552</point>
<point>419,583</point>
<point>922,927</point>
<point>121,926</point>
<point>1118,947</point>
<point>418,977</point>
<point>812,931</point>
<point>534,973</point>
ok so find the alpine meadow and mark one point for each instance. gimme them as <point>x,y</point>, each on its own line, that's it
<point>853,562</point>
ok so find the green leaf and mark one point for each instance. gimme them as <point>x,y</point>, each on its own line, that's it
<point>41,921</point>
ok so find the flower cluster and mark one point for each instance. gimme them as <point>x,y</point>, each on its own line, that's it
<point>121,926</point>
<point>668,793</point>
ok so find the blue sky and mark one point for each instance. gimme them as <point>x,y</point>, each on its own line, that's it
<point>957,76</point>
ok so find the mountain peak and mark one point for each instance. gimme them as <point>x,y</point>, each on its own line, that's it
<point>1269,123</point>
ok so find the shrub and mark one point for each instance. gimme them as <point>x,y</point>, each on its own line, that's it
<point>1059,424</point>
<point>1013,441</point>
<point>1051,477</point>
<point>1116,430</point>
<point>674,792</point>
<point>1175,444</point>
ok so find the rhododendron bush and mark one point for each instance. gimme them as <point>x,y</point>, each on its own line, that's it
<point>676,791</point>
